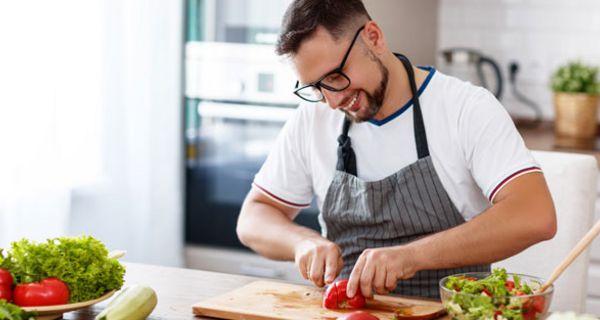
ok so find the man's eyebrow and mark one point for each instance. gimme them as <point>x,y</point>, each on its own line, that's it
<point>321,76</point>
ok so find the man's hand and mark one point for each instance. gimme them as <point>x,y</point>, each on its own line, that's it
<point>380,269</point>
<point>319,260</point>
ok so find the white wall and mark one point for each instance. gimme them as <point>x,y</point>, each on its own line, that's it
<point>538,34</point>
<point>410,26</point>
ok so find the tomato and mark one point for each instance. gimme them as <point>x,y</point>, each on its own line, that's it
<point>497,315</point>
<point>358,315</point>
<point>6,281</point>
<point>336,298</point>
<point>509,285</point>
<point>6,278</point>
<point>5,292</point>
<point>486,292</point>
<point>48,292</point>
<point>529,314</point>
<point>533,306</point>
<point>538,304</point>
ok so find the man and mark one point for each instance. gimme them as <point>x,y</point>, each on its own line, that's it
<point>417,174</point>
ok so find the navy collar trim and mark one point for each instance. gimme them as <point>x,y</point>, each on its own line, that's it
<point>409,103</point>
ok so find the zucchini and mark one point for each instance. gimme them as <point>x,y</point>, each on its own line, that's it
<point>135,302</point>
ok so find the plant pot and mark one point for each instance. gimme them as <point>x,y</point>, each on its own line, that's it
<point>576,115</point>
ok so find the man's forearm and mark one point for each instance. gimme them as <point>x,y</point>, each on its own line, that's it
<point>269,232</point>
<point>503,230</point>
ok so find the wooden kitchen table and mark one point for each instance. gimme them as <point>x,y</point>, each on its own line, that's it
<point>177,290</point>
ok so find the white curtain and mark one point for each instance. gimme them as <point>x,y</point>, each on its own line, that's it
<point>90,123</point>
<point>49,103</point>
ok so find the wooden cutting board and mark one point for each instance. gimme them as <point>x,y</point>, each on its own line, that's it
<point>269,300</point>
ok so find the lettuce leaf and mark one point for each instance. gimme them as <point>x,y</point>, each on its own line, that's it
<point>9,311</point>
<point>81,262</point>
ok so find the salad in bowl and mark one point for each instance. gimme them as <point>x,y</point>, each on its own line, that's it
<point>496,296</point>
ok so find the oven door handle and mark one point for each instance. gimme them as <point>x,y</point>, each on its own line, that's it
<point>222,110</point>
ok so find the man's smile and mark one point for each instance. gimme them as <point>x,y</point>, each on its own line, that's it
<point>352,105</point>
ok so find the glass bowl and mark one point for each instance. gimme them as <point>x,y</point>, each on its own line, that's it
<point>467,306</point>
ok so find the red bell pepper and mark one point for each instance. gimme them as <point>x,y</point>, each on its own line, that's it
<point>6,282</point>
<point>48,292</point>
<point>336,297</point>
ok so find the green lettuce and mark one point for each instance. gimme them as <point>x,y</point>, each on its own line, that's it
<point>9,311</point>
<point>477,305</point>
<point>81,262</point>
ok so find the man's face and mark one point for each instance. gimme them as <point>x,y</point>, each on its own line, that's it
<point>321,53</point>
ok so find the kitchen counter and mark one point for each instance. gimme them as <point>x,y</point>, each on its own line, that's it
<point>542,138</point>
<point>177,290</point>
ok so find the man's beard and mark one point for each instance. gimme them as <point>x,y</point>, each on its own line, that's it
<point>375,100</point>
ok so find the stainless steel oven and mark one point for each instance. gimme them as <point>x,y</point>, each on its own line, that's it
<point>238,96</point>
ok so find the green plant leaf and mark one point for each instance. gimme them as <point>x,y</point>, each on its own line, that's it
<point>576,77</point>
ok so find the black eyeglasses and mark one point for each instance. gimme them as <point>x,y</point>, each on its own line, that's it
<point>335,80</point>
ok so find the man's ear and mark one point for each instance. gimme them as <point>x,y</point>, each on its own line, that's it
<point>373,36</point>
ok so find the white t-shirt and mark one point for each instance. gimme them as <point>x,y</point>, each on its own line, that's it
<point>474,145</point>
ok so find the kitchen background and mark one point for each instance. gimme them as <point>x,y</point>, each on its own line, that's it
<point>142,122</point>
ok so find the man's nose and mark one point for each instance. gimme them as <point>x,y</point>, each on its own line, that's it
<point>334,98</point>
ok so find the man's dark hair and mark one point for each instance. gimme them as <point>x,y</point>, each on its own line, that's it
<point>303,16</point>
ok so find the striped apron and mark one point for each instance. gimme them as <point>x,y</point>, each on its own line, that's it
<point>408,205</point>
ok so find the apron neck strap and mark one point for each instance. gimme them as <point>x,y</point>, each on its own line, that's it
<point>345,154</point>
<point>419,125</point>
<point>347,159</point>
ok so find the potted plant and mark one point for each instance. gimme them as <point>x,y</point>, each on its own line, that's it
<point>576,91</point>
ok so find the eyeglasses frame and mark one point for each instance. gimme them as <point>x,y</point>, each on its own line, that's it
<point>317,84</point>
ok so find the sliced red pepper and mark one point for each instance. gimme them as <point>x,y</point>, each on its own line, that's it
<point>336,297</point>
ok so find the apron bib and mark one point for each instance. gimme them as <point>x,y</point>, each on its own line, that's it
<point>405,206</point>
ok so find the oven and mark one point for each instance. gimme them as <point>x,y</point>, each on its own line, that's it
<point>238,97</point>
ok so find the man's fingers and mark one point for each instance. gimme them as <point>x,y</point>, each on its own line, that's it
<point>340,265</point>
<point>354,280</point>
<point>379,280</point>
<point>303,267</point>
<point>332,267</point>
<point>316,271</point>
<point>391,281</point>
<point>366,280</point>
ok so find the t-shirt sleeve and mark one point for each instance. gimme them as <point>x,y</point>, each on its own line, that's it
<point>285,175</point>
<point>493,148</point>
